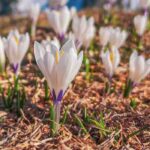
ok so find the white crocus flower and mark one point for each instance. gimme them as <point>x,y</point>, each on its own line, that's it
<point>83,30</point>
<point>16,46</point>
<point>90,32</point>
<point>139,68</point>
<point>34,12</point>
<point>111,61</point>
<point>59,20</point>
<point>104,34</point>
<point>145,3</point>
<point>117,37</point>
<point>56,4</point>
<point>59,68</point>
<point>2,55</point>
<point>140,23</point>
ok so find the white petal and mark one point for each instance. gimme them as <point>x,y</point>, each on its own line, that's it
<point>140,68</point>
<point>65,19</point>
<point>132,65</point>
<point>147,69</point>
<point>107,63</point>
<point>116,59</point>
<point>23,46</point>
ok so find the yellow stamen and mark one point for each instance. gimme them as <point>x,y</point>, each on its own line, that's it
<point>16,40</point>
<point>57,57</point>
<point>111,56</point>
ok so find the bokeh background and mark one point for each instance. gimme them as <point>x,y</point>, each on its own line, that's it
<point>13,6</point>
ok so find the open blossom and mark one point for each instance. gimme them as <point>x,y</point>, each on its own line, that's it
<point>140,23</point>
<point>145,3</point>
<point>139,68</point>
<point>56,4</point>
<point>59,20</point>
<point>58,66</point>
<point>16,46</point>
<point>83,30</point>
<point>111,60</point>
<point>2,55</point>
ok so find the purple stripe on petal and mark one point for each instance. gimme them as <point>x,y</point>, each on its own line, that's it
<point>59,97</point>
<point>53,95</point>
<point>15,68</point>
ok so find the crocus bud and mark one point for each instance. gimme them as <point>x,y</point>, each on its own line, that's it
<point>59,20</point>
<point>83,30</point>
<point>34,12</point>
<point>104,34</point>
<point>117,37</point>
<point>140,23</point>
<point>16,46</point>
<point>139,68</point>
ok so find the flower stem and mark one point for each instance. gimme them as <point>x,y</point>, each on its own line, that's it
<point>108,85</point>
<point>57,108</point>
<point>16,83</point>
<point>33,30</point>
<point>55,117</point>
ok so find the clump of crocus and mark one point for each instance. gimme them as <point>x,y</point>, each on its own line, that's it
<point>34,12</point>
<point>59,68</point>
<point>140,23</point>
<point>112,37</point>
<point>83,31</point>
<point>139,68</point>
<point>16,46</point>
<point>111,60</point>
<point>59,20</point>
<point>2,56</point>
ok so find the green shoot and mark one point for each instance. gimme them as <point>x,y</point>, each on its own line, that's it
<point>65,116</point>
<point>127,89</point>
<point>133,103</point>
<point>79,122</point>
<point>87,68</point>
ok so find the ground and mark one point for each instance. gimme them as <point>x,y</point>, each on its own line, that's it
<point>95,120</point>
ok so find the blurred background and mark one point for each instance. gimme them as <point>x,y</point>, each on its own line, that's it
<point>12,6</point>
